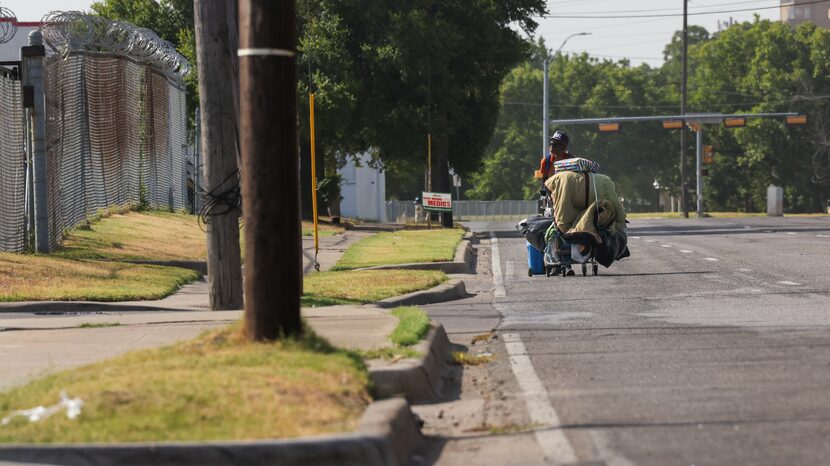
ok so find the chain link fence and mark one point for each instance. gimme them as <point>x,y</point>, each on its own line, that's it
<point>116,135</point>
<point>115,127</point>
<point>12,165</point>
<point>404,211</point>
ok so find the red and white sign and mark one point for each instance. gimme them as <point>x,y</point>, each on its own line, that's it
<point>441,202</point>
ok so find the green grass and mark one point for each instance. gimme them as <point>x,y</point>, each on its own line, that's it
<point>413,325</point>
<point>217,387</point>
<point>147,235</point>
<point>99,325</point>
<point>365,286</point>
<point>88,267</point>
<point>402,247</point>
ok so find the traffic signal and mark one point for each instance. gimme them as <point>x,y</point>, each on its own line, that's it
<point>708,157</point>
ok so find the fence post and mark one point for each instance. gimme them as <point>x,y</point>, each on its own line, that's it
<point>33,56</point>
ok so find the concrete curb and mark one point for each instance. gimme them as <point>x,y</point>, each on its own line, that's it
<point>461,262</point>
<point>419,380</point>
<point>387,435</point>
<point>453,289</point>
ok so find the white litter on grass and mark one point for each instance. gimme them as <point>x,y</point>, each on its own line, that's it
<point>71,405</point>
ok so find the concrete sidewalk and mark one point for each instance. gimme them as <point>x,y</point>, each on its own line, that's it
<point>331,248</point>
<point>41,337</point>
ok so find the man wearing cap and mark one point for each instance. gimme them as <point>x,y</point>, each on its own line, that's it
<point>558,151</point>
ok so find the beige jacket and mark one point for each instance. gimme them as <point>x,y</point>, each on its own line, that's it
<point>575,207</point>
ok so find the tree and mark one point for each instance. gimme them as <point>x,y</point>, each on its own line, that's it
<point>416,67</point>
<point>581,87</point>
<point>767,67</point>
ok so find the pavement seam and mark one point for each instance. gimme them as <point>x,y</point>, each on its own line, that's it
<point>171,322</point>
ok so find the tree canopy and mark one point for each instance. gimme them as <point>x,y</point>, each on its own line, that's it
<point>389,73</point>
<point>761,66</point>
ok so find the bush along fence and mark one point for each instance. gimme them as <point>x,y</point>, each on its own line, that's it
<point>104,124</point>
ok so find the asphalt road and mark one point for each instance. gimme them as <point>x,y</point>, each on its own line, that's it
<point>709,345</point>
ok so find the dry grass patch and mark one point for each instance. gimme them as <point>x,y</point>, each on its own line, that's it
<point>216,387</point>
<point>137,236</point>
<point>365,286</point>
<point>26,277</point>
<point>402,247</point>
<point>323,229</point>
<point>467,359</point>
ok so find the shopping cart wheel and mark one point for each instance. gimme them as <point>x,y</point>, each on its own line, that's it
<point>596,269</point>
<point>584,270</point>
<point>529,272</point>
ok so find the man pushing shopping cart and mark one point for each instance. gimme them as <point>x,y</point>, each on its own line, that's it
<point>584,222</point>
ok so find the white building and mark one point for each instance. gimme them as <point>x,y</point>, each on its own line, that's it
<point>363,189</point>
<point>10,51</point>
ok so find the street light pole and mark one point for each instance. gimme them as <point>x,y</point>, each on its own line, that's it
<point>684,187</point>
<point>545,85</point>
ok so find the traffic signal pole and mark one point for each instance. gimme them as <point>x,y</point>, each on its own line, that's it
<point>695,121</point>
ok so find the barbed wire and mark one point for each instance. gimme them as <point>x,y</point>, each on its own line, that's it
<point>8,24</point>
<point>68,31</point>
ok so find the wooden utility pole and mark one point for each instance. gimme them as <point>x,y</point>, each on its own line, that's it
<point>216,56</point>
<point>684,189</point>
<point>271,184</point>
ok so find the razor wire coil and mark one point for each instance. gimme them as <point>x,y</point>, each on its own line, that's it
<point>70,31</point>
<point>8,25</point>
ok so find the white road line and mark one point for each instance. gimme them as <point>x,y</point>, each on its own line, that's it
<point>789,283</point>
<point>711,259</point>
<point>822,236</point>
<point>634,237</point>
<point>650,241</point>
<point>510,269</point>
<point>791,233</point>
<point>685,251</point>
<point>498,278</point>
<point>666,245</point>
<point>607,452</point>
<point>744,269</point>
<point>553,441</point>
